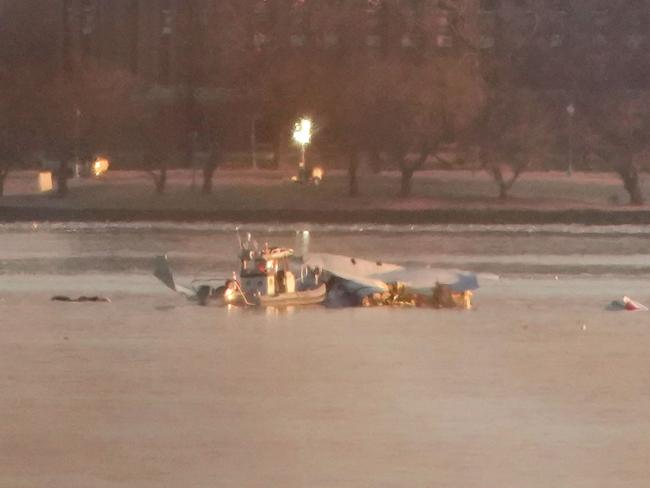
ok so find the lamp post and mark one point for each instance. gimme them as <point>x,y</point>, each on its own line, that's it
<point>254,120</point>
<point>571,110</point>
<point>302,137</point>
<point>77,141</point>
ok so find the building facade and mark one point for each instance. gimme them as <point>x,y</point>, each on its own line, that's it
<point>164,41</point>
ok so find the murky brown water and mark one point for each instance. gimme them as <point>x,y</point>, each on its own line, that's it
<point>539,386</point>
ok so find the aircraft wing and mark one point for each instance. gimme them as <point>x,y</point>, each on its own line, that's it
<point>362,273</point>
<point>376,274</point>
<point>424,279</point>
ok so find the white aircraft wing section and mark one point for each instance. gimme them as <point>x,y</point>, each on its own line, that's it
<point>360,271</point>
<point>426,278</point>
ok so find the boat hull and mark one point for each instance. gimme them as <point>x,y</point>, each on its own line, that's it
<point>306,297</point>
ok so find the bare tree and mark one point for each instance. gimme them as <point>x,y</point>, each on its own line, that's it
<point>211,162</point>
<point>162,138</point>
<point>513,131</point>
<point>85,115</point>
<point>617,132</point>
<point>505,128</point>
<point>409,119</point>
<point>605,70</point>
<point>267,64</point>
<point>25,66</point>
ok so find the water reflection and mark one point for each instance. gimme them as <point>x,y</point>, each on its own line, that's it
<point>280,311</point>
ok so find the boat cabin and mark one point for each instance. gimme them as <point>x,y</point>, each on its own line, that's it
<point>267,272</point>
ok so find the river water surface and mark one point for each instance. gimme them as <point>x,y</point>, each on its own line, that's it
<point>538,386</point>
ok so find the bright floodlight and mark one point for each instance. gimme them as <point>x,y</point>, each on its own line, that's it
<point>100,166</point>
<point>302,132</point>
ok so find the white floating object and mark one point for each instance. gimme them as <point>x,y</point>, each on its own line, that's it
<point>633,306</point>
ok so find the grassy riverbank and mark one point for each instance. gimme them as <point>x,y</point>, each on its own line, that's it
<point>438,196</point>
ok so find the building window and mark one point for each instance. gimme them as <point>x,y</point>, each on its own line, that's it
<point>373,15</point>
<point>167,18</point>
<point>88,17</point>
<point>407,41</point>
<point>297,40</point>
<point>444,41</point>
<point>165,46</point>
<point>556,40</point>
<point>373,40</point>
<point>87,29</point>
<point>261,9</point>
<point>260,41</point>
<point>486,42</point>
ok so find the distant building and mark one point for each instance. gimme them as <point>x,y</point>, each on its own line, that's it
<point>150,38</point>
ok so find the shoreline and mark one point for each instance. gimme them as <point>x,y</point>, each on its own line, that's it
<point>10,214</point>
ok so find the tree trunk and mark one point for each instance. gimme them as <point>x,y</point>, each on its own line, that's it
<point>3,177</point>
<point>630,176</point>
<point>208,172</point>
<point>504,184</point>
<point>160,181</point>
<point>210,165</point>
<point>61,177</point>
<point>277,151</point>
<point>375,162</point>
<point>353,180</point>
<point>503,191</point>
<point>406,182</point>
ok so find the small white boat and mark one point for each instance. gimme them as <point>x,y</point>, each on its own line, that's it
<point>306,297</point>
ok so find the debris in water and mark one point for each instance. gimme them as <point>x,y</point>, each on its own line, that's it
<point>627,304</point>
<point>63,298</point>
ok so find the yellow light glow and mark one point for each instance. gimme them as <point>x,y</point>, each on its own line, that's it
<point>229,295</point>
<point>302,132</point>
<point>45,181</point>
<point>317,173</point>
<point>100,166</point>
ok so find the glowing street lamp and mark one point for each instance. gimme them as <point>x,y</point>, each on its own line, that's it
<point>302,136</point>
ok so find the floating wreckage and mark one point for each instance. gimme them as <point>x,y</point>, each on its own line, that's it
<point>81,299</point>
<point>277,277</point>
<point>628,305</point>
